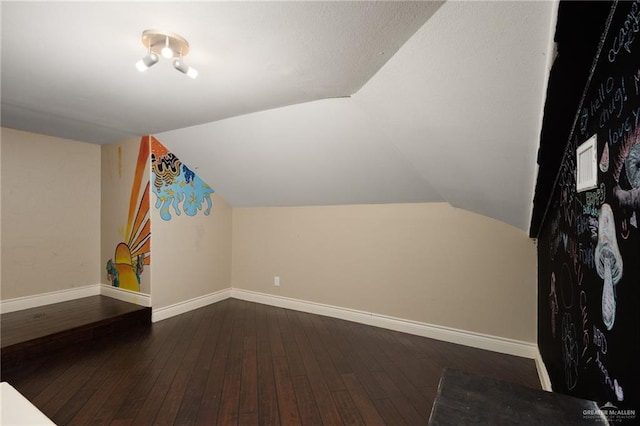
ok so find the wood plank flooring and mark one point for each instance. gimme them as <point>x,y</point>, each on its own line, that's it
<point>30,324</point>
<point>33,333</point>
<point>237,362</point>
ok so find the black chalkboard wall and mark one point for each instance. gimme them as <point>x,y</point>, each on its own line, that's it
<point>589,242</point>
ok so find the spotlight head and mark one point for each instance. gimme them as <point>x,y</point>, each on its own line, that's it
<point>192,72</point>
<point>147,62</point>
<point>184,68</point>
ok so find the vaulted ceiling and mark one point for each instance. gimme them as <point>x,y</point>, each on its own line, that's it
<point>300,103</point>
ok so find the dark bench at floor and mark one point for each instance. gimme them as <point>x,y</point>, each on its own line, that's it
<point>33,333</point>
<point>467,399</point>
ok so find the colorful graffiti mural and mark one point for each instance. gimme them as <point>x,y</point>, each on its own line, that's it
<point>175,186</point>
<point>124,270</point>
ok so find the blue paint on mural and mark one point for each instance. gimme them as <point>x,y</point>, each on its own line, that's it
<point>176,187</point>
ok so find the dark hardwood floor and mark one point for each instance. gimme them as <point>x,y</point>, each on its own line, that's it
<point>238,362</point>
<point>32,333</point>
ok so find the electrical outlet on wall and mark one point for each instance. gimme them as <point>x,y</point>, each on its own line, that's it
<point>276,281</point>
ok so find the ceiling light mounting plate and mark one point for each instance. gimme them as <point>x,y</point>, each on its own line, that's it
<point>156,40</point>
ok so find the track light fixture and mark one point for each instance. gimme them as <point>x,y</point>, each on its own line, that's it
<point>168,45</point>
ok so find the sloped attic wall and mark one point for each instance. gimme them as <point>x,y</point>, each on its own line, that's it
<point>453,116</point>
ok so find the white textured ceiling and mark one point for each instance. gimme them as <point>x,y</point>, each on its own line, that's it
<point>68,67</point>
<point>450,113</point>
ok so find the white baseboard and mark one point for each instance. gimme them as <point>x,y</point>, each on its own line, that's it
<point>448,334</point>
<point>159,314</point>
<point>141,299</point>
<point>543,374</point>
<point>27,302</point>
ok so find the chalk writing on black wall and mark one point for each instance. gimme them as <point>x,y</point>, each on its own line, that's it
<point>626,33</point>
<point>589,248</point>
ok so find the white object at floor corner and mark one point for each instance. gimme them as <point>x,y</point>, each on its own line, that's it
<point>16,410</point>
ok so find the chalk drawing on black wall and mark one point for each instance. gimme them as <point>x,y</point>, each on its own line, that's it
<point>608,264</point>
<point>553,304</point>
<point>566,286</point>
<point>589,246</point>
<point>604,159</point>
<point>569,351</point>
<point>627,192</point>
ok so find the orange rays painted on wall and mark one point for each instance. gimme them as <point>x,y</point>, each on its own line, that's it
<point>130,256</point>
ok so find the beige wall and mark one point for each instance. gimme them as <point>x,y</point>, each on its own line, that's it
<point>190,255</point>
<point>423,262</point>
<point>50,214</point>
<point>118,171</point>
